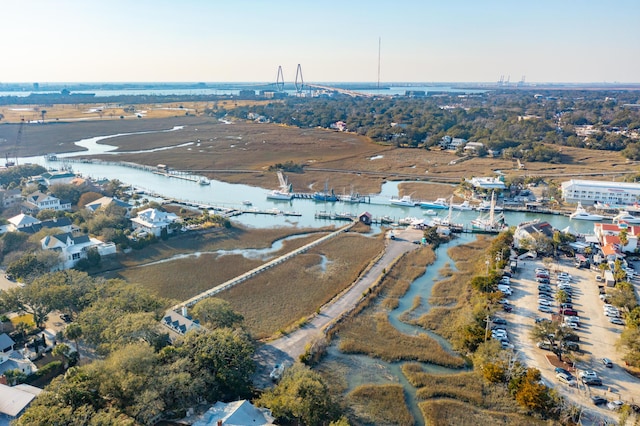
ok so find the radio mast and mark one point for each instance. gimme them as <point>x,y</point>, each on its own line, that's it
<point>379,44</point>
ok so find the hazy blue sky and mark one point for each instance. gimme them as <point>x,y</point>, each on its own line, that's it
<point>246,40</point>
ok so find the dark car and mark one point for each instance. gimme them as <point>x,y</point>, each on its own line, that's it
<point>563,371</point>
<point>570,312</point>
<point>572,346</point>
<point>572,337</point>
<point>500,321</point>
<point>592,381</point>
<point>507,308</point>
<point>598,400</point>
<point>607,362</point>
<point>506,274</point>
<point>543,280</point>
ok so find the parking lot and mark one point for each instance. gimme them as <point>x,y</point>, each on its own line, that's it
<point>598,335</point>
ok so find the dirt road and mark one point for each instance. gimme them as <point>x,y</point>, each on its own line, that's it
<point>288,349</point>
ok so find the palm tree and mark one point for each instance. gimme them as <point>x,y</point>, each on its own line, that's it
<point>42,113</point>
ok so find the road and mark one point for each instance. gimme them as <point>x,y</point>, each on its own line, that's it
<point>597,337</point>
<point>288,348</point>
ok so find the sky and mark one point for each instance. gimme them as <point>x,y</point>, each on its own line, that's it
<point>578,41</point>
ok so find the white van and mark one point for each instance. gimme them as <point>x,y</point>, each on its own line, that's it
<point>505,289</point>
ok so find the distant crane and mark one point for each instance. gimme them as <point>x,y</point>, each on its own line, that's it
<point>280,79</point>
<point>299,83</point>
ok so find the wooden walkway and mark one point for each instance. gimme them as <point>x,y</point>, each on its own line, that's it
<point>241,278</point>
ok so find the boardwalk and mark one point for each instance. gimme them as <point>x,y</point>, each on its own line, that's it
<point>241,278</point>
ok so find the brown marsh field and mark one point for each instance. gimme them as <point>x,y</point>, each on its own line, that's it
<point>346,160</point>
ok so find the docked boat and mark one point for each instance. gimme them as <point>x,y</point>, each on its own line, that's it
<point>204,181</point>
<point>278,194</point>
<point>462,206</point>
<point>247,203</point>
<point>625,216</point>
<point>326,195</point>
<point>440,203</point>
<point>352,197</point>
<point>490,223</point>
<point>430,212</point>
<point>582,214</point>
<point>285,193</point>
<point>485,206</point>
<point>405,201</point>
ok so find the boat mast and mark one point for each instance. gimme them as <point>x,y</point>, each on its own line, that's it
<point>492,208</point>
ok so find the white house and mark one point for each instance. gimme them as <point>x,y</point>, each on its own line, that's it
<point>57,177</point>
<point>21,221</point>
<point>40,201</point>
<point>14,400</point>
<point>487,183</point>
<point>72,249</point>
<point>11,359</point>
<point>154,221</point>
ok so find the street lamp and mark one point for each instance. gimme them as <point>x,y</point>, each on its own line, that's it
<point>486,262</point>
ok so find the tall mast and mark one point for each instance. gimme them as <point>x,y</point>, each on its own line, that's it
<point>379,45</point>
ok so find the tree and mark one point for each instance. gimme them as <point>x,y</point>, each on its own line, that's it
<point>88,197</point>
<point>300,396</point>
<point>216,313</point>
<point>552,334</point>
<point>74,332</point>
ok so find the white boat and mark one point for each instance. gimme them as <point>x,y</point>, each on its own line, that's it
<point>582,214</point>
<point>625,216</point>
<point>278,194</point>
<point>462,206</point>
<point>430,212</point>
<point>405,201</point>
<point>247,203</point>
<point>440,203</point>
<point>485,206</point>
<point>204,181</point>
<point>284,193</point>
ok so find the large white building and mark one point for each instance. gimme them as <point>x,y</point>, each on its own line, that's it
<point>589,192</point>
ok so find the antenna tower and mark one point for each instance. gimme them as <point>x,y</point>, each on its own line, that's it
<point>299,80</point>
<point>379,45</point>
<point>280,79</point>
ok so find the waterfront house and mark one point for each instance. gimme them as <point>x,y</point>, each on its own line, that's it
<point>179,323</point>
<point>40,201</point>
<point>588,192</point>
<point>604,231</point>
<point>73,248</point>
<point>57,177</point>
<point>153,221</point>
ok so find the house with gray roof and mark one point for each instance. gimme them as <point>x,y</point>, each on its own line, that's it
<point>14,400</point>
<point>38,200</point>
<point>237,413</point>
<point>104,202</point>
<point>154,221</point>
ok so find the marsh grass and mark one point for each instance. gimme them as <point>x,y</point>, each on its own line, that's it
<point>397,281</point>
<point>371,334</point>
<point>467,387</point>
<point>380,404</point>
<point>284,296</point>
<point>449,412</point>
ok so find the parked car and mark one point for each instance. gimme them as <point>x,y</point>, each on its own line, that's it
<point>598,400</point>
<point>498,320</point>
<point>507,308</point>
<point>540,319</point>
<point>563,371</point>
<point>607,362</point>
<point>592,382</point>
<point>566,379</point>
<point>615,405</point>
<point>568,312</point>
<point>544,345</point>
<point>572,346</point>
<point>616,321</point>
<point>544,308</point>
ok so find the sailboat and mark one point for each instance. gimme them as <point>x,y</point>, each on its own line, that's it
<point>284,193</point>
<point>492,223</point>
<point>447,220</point>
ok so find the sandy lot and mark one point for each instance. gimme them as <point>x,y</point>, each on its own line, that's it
<point>597,336</point>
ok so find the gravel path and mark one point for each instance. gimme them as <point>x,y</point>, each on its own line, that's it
<point>287,349</point>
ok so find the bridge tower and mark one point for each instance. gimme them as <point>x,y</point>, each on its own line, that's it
<point>299,80</point>
<point>280,79</point>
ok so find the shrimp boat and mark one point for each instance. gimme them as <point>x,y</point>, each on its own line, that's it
<point>326,195</point>
<point>352,197</point>
<point>492,223</point>
<point>284,193</point>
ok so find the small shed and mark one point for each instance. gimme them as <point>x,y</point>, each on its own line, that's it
<point>365,218</point>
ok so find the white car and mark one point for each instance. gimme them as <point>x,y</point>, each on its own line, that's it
<point>545,302</point>
<point>615,405</point>
<point>571,325</point>
<point>588,374</point>
<point>564,275</point>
